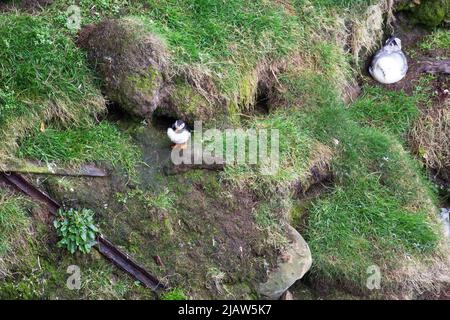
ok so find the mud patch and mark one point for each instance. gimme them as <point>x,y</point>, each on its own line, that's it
<point>409,33</point>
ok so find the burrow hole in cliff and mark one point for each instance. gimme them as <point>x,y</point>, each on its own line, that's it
<point>262,101</point>
<point>116,113</point>
<point>161,120</point>
<point>158,120</point>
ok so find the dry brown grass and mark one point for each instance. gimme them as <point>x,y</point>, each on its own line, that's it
<point>428,276</point>
<point>201,79</point>
<point>430,134</point>
<point>367,31</point>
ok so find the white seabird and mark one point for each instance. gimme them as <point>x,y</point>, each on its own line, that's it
<point>389,65</point>
<point>179,135</point>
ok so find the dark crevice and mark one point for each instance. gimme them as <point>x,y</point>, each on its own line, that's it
<point>441,179</point>
<point>116,113</point>
<point>262,102</point>
<point>159,120</point>
<point>162,121</point>
<point>261,106</point>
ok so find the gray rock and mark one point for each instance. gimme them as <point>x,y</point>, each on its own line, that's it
<point>293,263</point>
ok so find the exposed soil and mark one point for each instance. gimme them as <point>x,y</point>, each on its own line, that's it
<point>444,294</point>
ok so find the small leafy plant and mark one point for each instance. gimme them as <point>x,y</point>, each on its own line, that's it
<point>174,294</point>
<point>76,229</point>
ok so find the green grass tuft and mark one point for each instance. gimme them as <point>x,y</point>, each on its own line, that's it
<point>174,294</point>
<point>42,76</point>
<point>15,232</point>
<point>74,146</point>
<point>438,39</point>
<point>381,206</point>
<point>391,111</point>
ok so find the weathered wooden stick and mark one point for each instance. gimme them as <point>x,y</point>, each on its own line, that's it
<point>38,168</point>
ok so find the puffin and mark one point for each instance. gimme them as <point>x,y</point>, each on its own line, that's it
<point>389,65</point>
<point>179,135</point>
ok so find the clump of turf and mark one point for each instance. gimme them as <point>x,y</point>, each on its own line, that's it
<point>380,209</point>
<point>213,46</point>
<point>131,62</point>
<point>381,206</point>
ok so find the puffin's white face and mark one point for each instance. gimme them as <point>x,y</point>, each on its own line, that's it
<point>179,125</point>
<point>393,44</point>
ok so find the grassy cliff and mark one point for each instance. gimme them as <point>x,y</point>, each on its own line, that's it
<point>302,58</point>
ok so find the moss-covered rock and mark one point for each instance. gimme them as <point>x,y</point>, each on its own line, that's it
<point>188,104</point>
<point>429,13</point>
<point>131,62</point>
